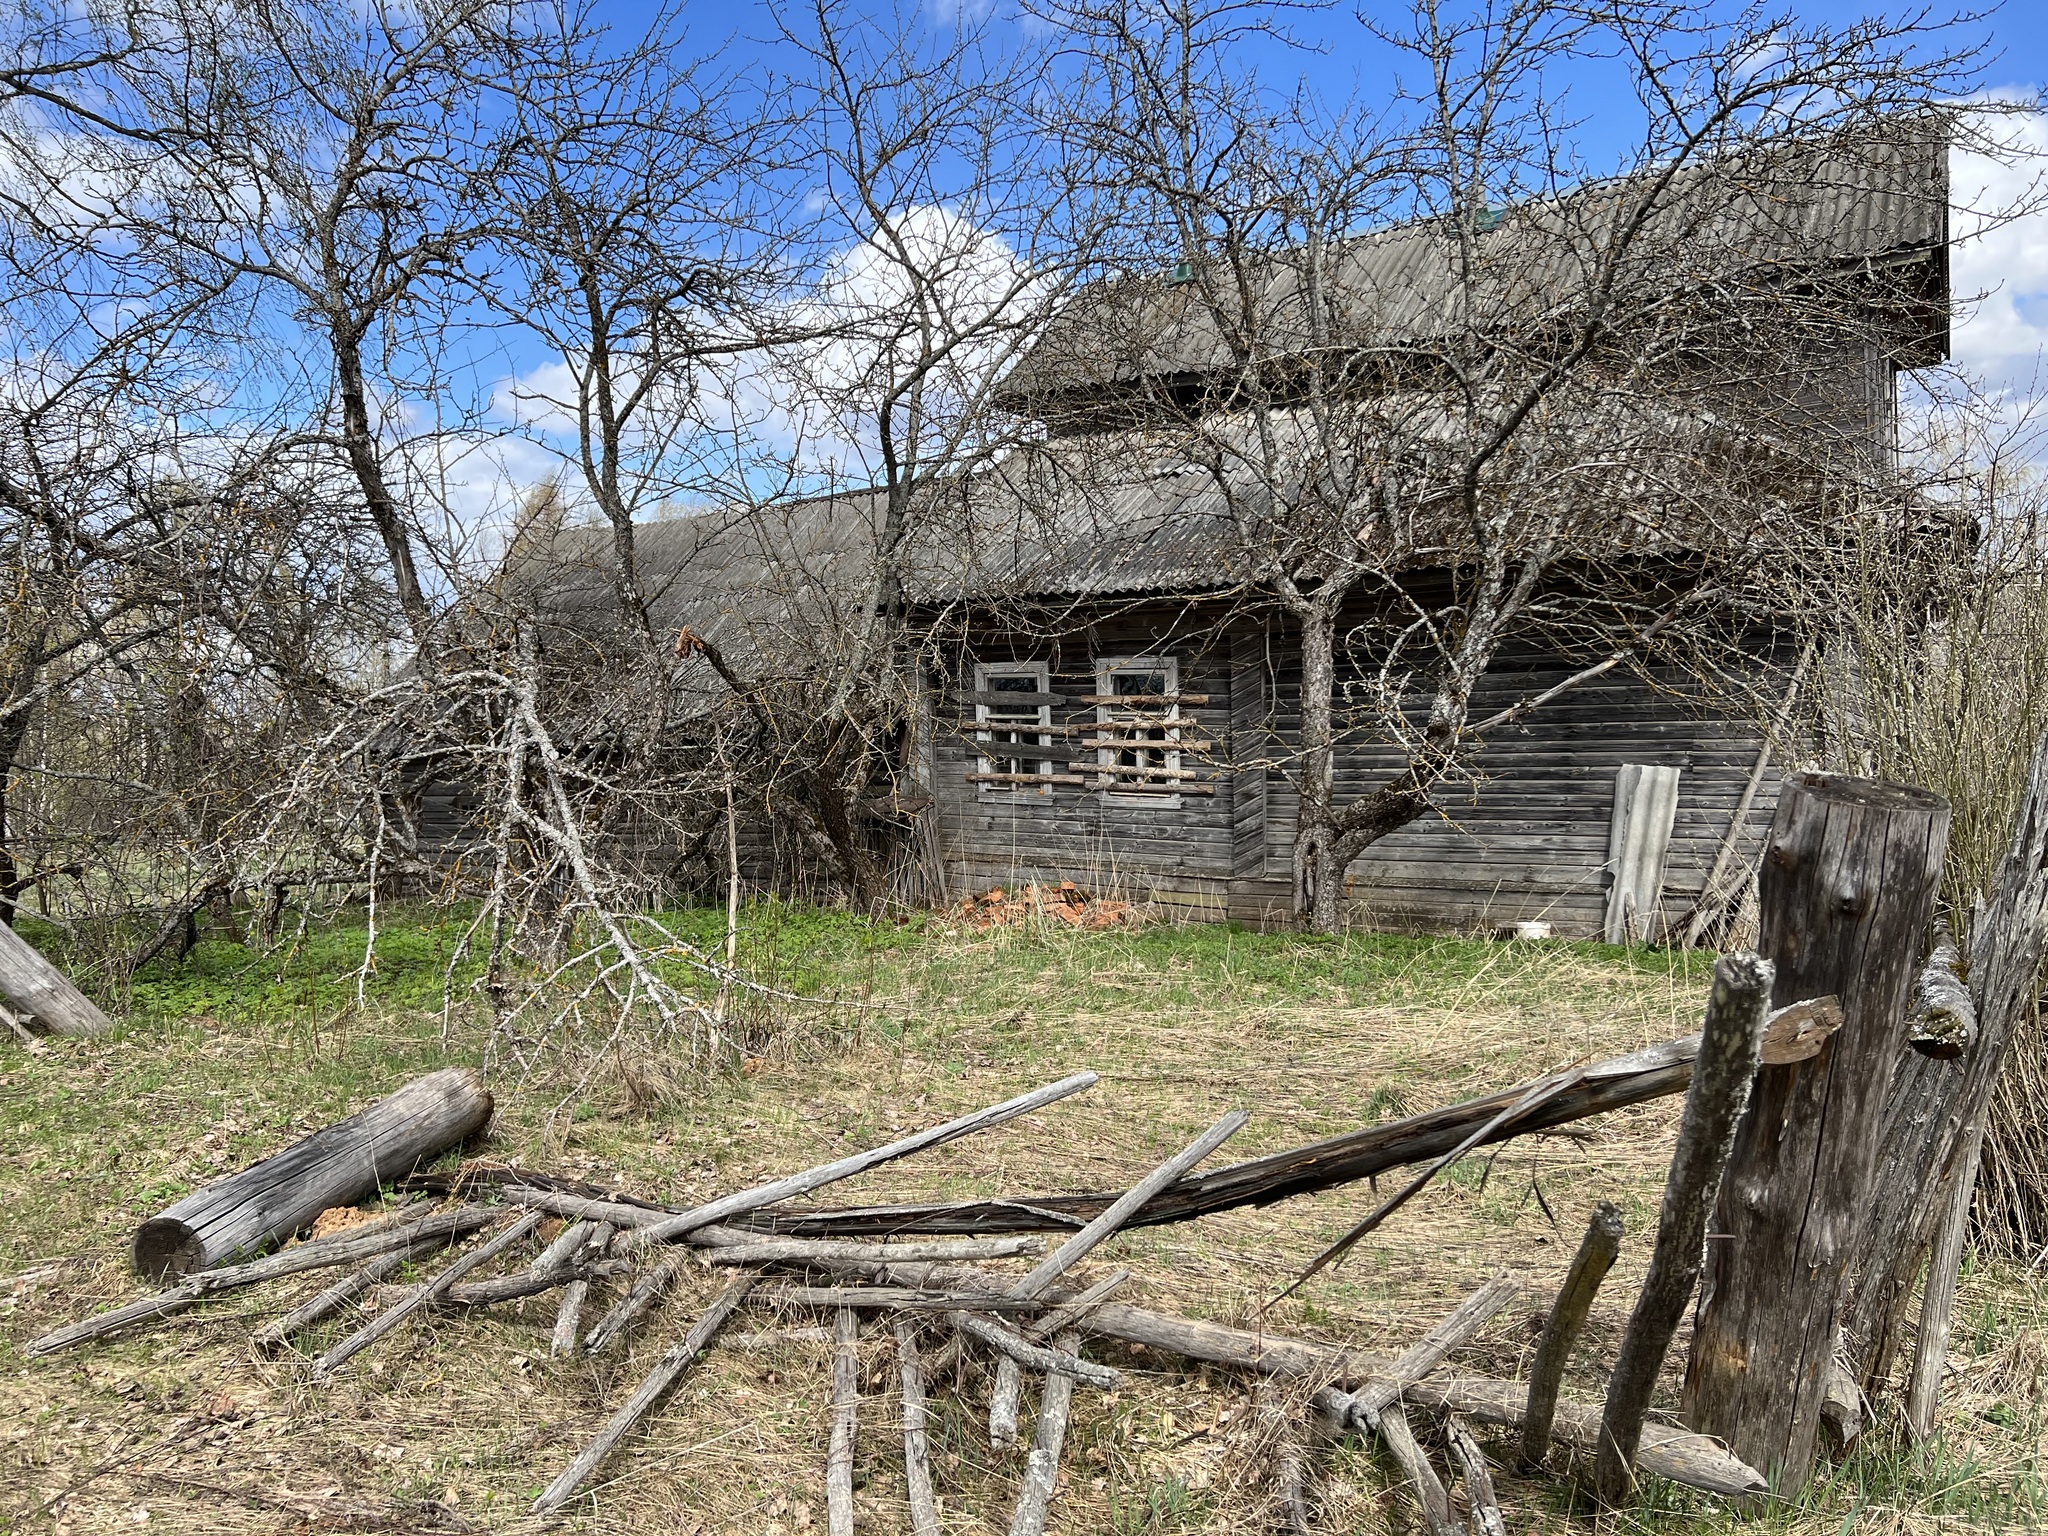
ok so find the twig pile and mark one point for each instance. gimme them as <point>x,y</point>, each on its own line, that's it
<point>1065,904</point>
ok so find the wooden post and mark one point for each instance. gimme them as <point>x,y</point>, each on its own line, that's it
<point>1846,894</point>
<point>1596,1255</point>
<point>340,1165</point>
<point>1730,1048</point>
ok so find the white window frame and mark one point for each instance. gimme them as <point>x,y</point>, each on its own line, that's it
<point>1106,723</point>
<point>1041,675</point>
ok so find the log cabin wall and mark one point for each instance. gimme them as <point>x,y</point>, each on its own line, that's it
<point>1528,840</point>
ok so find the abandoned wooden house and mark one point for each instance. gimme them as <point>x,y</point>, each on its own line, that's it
<point>1109,700</point>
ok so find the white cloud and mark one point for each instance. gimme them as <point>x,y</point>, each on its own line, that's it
<point>2000,258</point>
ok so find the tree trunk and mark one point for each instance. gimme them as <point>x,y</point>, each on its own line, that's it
<point>359,440</point>
<point>1318,877</point>
<point>341,1165</point>
<point>1847,893</point>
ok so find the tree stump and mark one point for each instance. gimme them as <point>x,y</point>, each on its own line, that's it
<point>1846,896</point>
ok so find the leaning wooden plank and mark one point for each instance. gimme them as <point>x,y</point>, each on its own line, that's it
<point>1797,1033</point>
<point>635,1303</point>
<point>743,1201</point>
<point>388,1321</point>
<point>1480,1498</point>
<point>569,1314</point>
<point>1938,1297</point>
<point>801,1250</point>
<point>659,1380</point>
<point>1730,1047</point>
<point>845,1413</point>
<point>1008,1342</point>
<point>1361,1409</point>
<point>1126,1205</point>
<point>44,994</point>
<point>917,1461</point>
<point>1408,1455</point>
<point>1561,1329</point>
<point>277,1335</point>
<point>324,1253</point>
<point>338,1166</point>
<point>1042,1466</point>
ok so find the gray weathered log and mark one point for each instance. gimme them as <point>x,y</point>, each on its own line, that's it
<point>1797,1033</point>
<point>1480,1498</point>
<point>1938,1298</point>
<point>743,1201</point>
<point>1361,1409</point>
<point>1013,1345</point>
<point>1407,1454</point>
<point>636,1303</point>
<point>898,1298</point>
<point>323,1253</point>
<point>43,995</point>
<point>569,1314</point>
<point>1561,1329</point>
<point>1933,1104</point>
<point>277,1335</point>
<point>1003,1399</point>
<point>1695,1460</point>
<point>1042,1466</point>
<point>1731,1045</point>
<point>1846,895</point>
<point>917,1461</point>
<point>1282,1430</point>
<point>1068,1314</point>
<point>650,1391</point>
<point>1841,1408</point>
<point>531,1282</point>
<point>387,1321</point>
<point>341,1165</point>
<point>845,1419</point>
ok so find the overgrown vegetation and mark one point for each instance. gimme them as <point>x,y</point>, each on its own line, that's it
<point>236,1051</point>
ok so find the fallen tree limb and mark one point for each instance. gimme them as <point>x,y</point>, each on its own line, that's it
<point>277,1335</point>
<point>650,1391</point>
<point>569,1314</point>
<point>1480,1498</point>
<point>635,1303</point>
<point>323,1253</point>
<point>845,1412</point>
<point>1362,1409</point>
<point>1006,1341</point>
<point>1796,1033</point>
<point>44,994</point>
<point>917,1462</point>
<point>806,1250</point>
<point>1561,1329</point>
<point>341,1165</point>
<point>1042,1466</point>
<point>1408,1455</point>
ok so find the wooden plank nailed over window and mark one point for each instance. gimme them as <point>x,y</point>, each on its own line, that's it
<point>1128,699</point>
<point>1035,780</point>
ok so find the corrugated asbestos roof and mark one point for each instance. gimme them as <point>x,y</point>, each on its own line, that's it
<point>1736,221</point>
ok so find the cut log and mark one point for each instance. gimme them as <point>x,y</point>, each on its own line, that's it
<point>845,1414</point>
<point>1730,1047</point>
<point>917,1462</point>
<point>1480,1498</point>
<point>1042,1466</point>
<point>1361,1409</point>
<point>569,1314</point>
<point>1797,1033</point>
<point>389,1321</point>
<point>278,1335</point>
<point>1561,1329</point>
<point>1015,1346</point>
<point>743,1201</point>
<point>1847,892</point>
<point>41,995</point>
<point>325,1253</point>
<point>1943,1023</point>
<point>650,1391</point>
<point>342,1165</point>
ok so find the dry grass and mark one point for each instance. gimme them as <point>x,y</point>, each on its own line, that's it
<point>459,1422</point>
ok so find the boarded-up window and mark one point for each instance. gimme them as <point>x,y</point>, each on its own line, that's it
<point>1009,703</point>
<point>1137,740</point>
